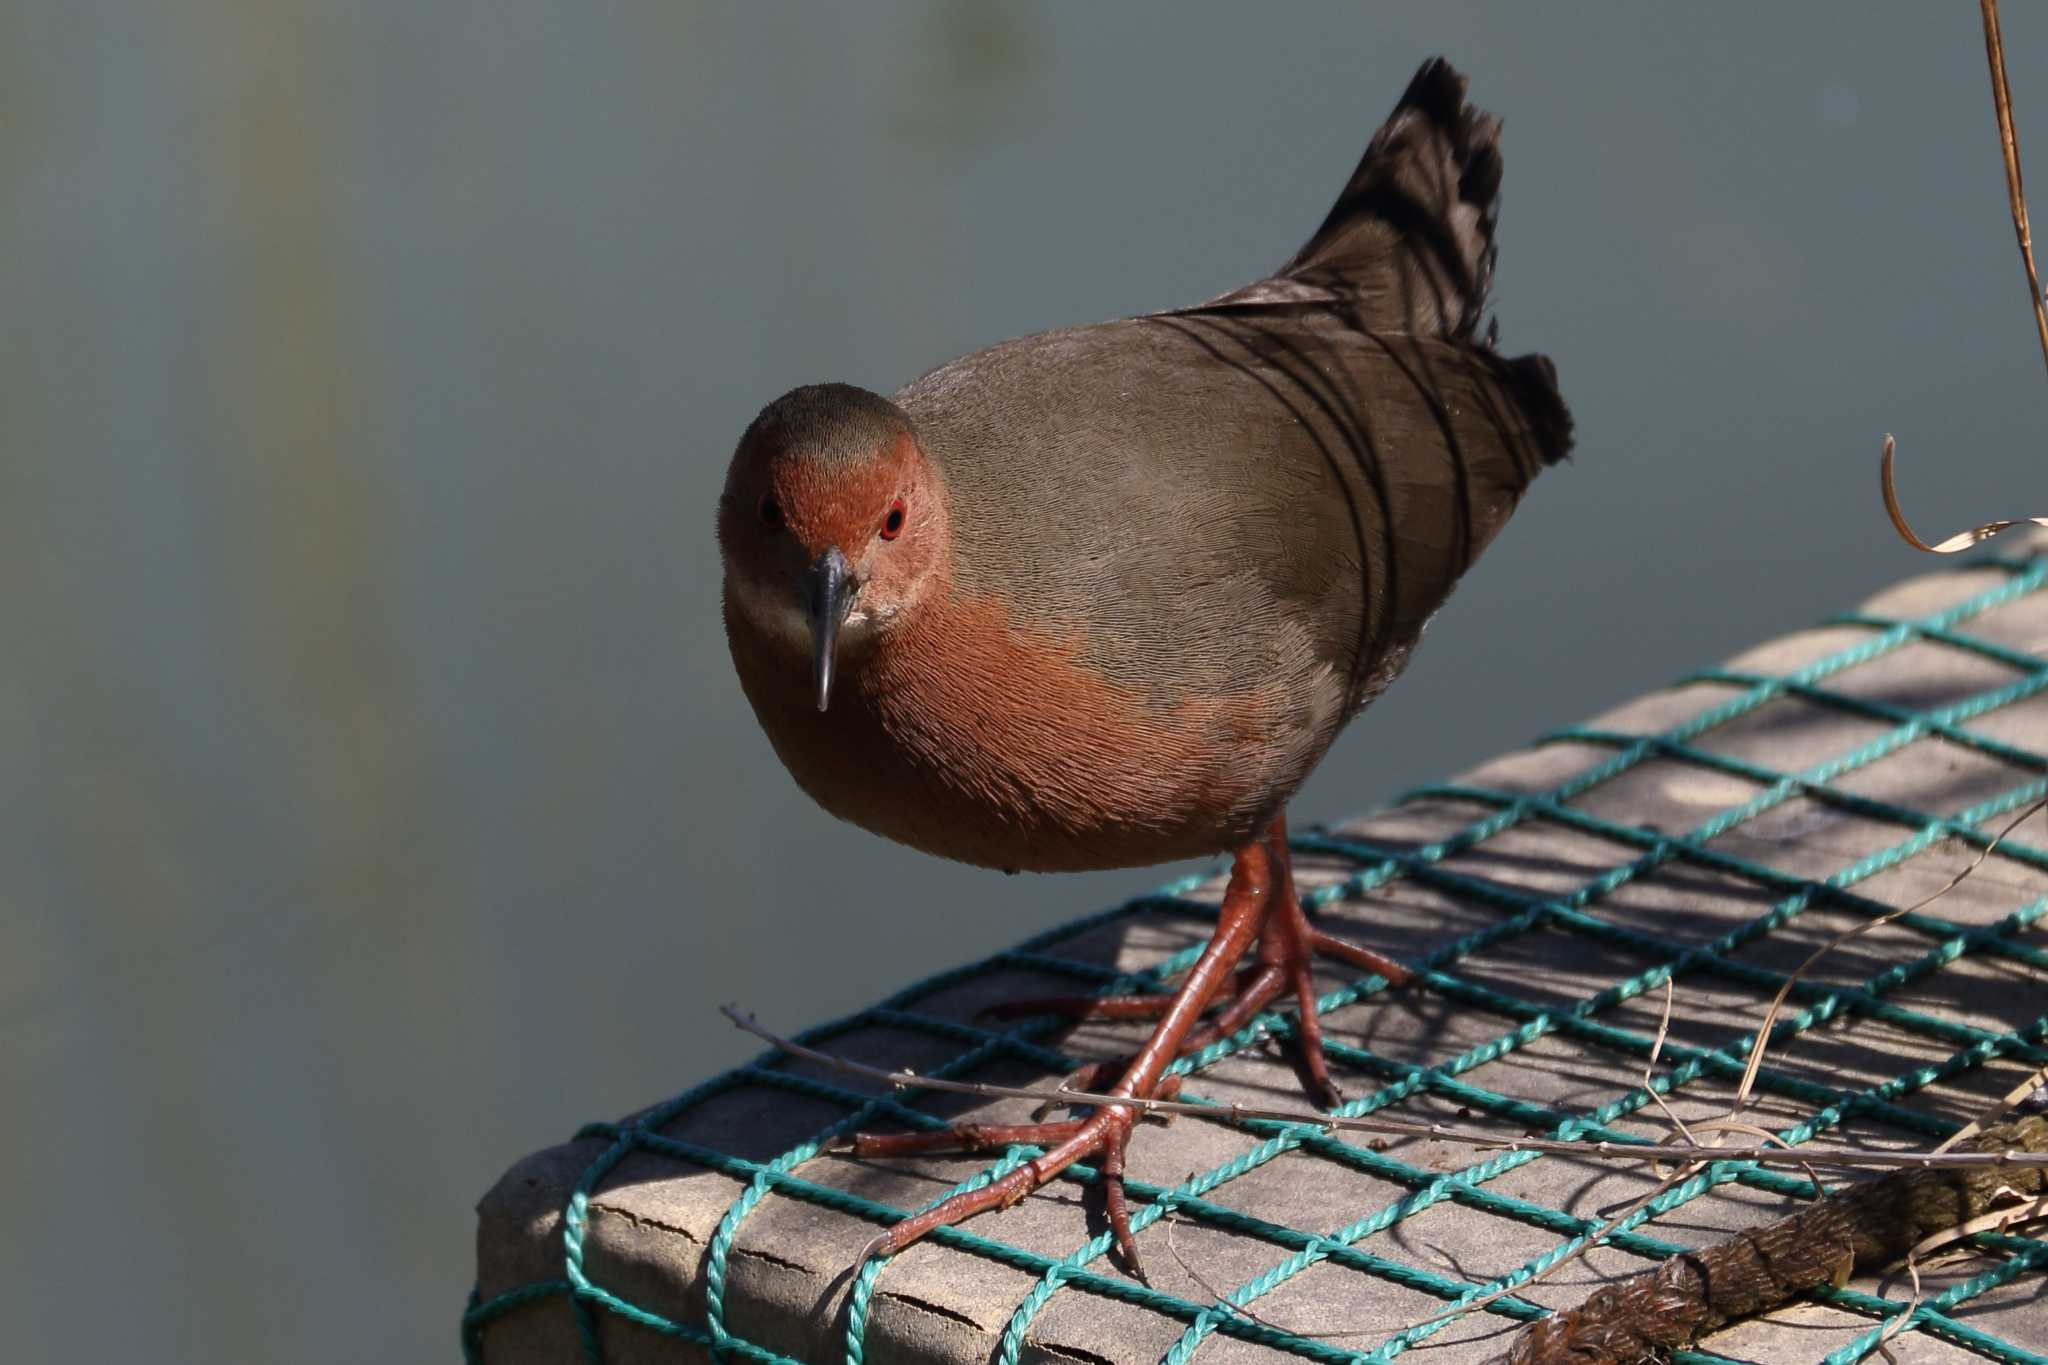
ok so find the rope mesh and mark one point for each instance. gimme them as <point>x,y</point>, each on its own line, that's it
<point>1916,949</point>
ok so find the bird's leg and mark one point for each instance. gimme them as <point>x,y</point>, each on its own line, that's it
<point>1107,1130</point>
<point>1285,949</point>
<point>1261,902</point>
<point>1287,945</point>
<point>1256,986</point>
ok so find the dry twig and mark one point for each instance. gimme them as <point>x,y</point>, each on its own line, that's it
<point>1237,1114</point>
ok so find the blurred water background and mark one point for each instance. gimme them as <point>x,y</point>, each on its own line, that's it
<point>381,804</point>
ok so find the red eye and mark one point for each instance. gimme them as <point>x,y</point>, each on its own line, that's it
<point>771,511</point>
<point>893,526</point>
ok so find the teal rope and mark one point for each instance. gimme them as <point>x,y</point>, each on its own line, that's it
<point>1932,1317</point>
<point>1486,1052</point>
<point>1969,644</point>
<point>1468,1179</point>
<point>1871,753</point>
<point>864,1284</point>
<point>1817,1003</point>
<point>1835,896</point>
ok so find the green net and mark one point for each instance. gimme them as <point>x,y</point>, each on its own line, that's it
<point>1976,730</point>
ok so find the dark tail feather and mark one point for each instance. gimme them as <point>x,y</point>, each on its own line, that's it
<point>1411,237</point>
<point>1533,380</point>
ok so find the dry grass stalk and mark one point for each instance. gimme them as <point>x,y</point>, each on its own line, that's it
<point>1763,1032</point>
<point>2016,197</point>
<point>2009,145</point>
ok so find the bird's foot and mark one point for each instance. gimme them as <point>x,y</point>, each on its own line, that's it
<point>1288,945</point>
<point>1260,905</point>
<point>1107,1131</point>
<point>1104,1133</point>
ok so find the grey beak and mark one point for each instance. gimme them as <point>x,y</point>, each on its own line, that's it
<point>828,588</point>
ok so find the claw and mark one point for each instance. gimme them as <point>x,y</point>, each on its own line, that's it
<point>1260,906</point>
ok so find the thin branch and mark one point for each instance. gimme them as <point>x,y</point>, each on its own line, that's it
<point>1237,1114</point>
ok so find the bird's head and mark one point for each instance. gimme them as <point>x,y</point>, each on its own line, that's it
<point>832,525</point>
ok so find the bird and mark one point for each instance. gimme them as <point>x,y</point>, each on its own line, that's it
<point>1102,597</point>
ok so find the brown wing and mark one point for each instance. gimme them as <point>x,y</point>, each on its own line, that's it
<point>1243,491</point>
<point>1427,446</point>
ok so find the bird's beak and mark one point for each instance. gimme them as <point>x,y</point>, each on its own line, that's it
<point>828,588</point>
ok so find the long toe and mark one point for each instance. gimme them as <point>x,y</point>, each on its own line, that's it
<point>1357,955</point>
<point>1108,1129</point>
<point>961,1137</point>
<point>1308,1037</point>
<point>1105,1133</point>
<point>1284,970</point>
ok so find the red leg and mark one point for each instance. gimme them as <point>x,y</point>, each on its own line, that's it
<point>1107,1130</point>
<point>1248,986</point>
<point>1257,987</point>
<point>1356,955</point>
<point>1285,949</point>
<point>1261,903</point>
<point>1287,945</point>
<point>1300,941</point>
<point>1312,940</point>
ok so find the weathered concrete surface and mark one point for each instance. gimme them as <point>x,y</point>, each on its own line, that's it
<point>652,1219</point>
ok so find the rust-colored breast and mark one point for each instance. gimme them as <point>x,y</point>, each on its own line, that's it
<point>964,735</point>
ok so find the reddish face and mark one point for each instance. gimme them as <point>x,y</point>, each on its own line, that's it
<point>829,536</point>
